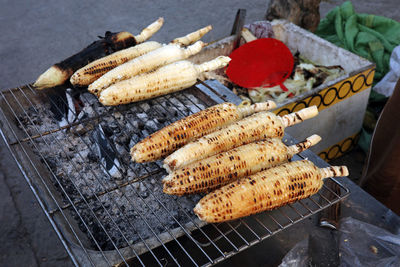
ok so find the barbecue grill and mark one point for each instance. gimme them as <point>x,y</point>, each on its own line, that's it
<point>108,211</point>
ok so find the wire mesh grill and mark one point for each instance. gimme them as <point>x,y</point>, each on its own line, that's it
<point>100,221</point>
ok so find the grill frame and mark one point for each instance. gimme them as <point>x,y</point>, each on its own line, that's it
<point>76,243</point>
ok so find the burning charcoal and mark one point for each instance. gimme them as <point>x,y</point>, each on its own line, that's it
<point>85,153</point>
<point>108,119</point>
<point>130,174</point>
<point>142,187</point>
<point>145,133</point>
<point>51,162</point>
<point>151,126</point>
<point>113,125</point>
<point>132,124</point>
<point>88,111</point>
<point>106,130</point>
<point>144,194</point>
<point>136,186</point>
<point>120,149</point>
<point>162,120</point>
<point>79,162</point>
<point>145,106</point>
<point>143,191</point>
<point>105,152</point>
<point>142,116</point>
<point>140,125</point>
<point>160,110</point>
<point>121,138</point>
<point>118,116</point>
<point>63,106</point>
<point>89,99</point>
<point>92,157</point>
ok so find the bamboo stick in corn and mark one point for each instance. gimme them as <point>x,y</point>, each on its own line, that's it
<point>170,78</point>
<point>179,133</point>
<point>151,60</point>
<point>91,72</point>
<point>257,127</point>
<point>60,72</point>
<point>215,171</point>
<point>265,190</point>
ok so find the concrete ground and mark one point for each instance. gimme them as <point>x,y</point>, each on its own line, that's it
<point>36,34</point>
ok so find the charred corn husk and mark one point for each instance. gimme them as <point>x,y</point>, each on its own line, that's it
<point>192,37</point>
<point>170,78</point>
<point>179,133</point>
<point>152,60</point>
<point>257,127</point>
<point>223,168</point>
<point>59,73</point>
<point>265,190</point>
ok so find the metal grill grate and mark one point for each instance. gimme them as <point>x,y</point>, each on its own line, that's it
<point>73,206</point>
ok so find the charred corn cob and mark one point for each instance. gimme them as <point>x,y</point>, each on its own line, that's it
<point>179,133</point>
<point>223,168</point>
<point>112,42</point>
<point>253,128</point>
<point>170,78</point>
<point>91,72</point>
<point>265,190</point>
<point>192,37</point>
<point>152,60</point>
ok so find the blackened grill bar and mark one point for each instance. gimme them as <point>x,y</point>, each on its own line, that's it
<point>107,220</point>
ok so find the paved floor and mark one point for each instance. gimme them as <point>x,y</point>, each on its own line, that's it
<point>36,34</point>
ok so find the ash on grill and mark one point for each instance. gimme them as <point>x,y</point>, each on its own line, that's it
<point>81,164</point>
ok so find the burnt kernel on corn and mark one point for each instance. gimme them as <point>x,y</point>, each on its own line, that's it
<point>176,135</point>
<point>225,167</point>
<point>148,62</point>
<point>228,166</point>
<point>250,129</point>
<point>247,199</point>
<point>201,123</point>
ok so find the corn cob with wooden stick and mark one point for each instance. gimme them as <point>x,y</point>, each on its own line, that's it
<point>91,72</point>
<point>257,127</point>
<point>265,190</point>
<point>223,168</point>
<point>181,132</point>
<point>170,78</point>
<point>151,60</point>
<point>60,72</point>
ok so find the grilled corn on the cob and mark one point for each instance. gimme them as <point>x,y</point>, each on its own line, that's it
<point>170,78</point>
<point>112,42</point>
<point>253,128</point>
<point>265,190</point>
<point>152,60</point>
<point>91,72</point>
<point>223,168</point>
<point>179,133</point>
<point>145,63</point>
